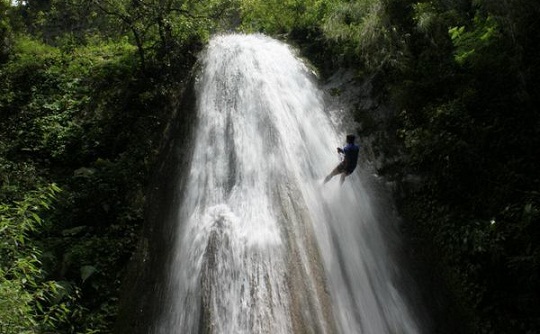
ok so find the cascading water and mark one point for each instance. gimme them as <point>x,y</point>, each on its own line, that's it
<point>263,246</point>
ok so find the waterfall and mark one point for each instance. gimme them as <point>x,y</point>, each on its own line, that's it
<point>263,246</point>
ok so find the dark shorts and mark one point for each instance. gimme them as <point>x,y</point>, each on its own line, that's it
<point>342,169</point>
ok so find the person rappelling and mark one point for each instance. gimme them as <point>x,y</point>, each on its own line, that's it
<point>349,162</point>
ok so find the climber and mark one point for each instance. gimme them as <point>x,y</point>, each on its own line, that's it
<point>350,160</point>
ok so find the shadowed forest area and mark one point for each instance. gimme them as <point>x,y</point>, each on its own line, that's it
<point>88,90</point>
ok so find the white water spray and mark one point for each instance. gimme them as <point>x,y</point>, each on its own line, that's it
<point>264,246</point>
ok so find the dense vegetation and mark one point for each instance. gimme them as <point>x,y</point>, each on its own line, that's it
<point>88,87</point>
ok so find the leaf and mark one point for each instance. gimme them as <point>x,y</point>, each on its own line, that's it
<point>84,172</point>
<point>87,271</point>
<point>36,217</point>
<point>73,231</point>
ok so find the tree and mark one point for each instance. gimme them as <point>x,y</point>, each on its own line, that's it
<point>158,26</point>
<point>6,36</point>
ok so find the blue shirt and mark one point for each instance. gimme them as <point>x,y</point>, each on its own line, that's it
<point>351,157</point>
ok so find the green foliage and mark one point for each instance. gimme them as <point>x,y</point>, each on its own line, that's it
<point>5,32</point>
<point>358,22</point>
<point>29,303</point>
<point>365,29</point>
<point>469,122</point>
<point>77,110</point>
<point>158,29</point>
<point>47,96</point>
<point>425,16</point>
<point>82,116</point>
<point>281,17</point>
<point>470,45</point>
<point>57,21</point>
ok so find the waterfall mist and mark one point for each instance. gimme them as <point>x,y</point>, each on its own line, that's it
<point>262,245</point>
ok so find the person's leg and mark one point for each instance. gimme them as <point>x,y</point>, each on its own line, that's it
<point>336,171</point>
<point>344,175</point>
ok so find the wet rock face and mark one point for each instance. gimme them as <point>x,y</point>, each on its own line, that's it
<point>356,104</point>
<point>309,308</point>
<point>142,298</point>
<point>359,106</point>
